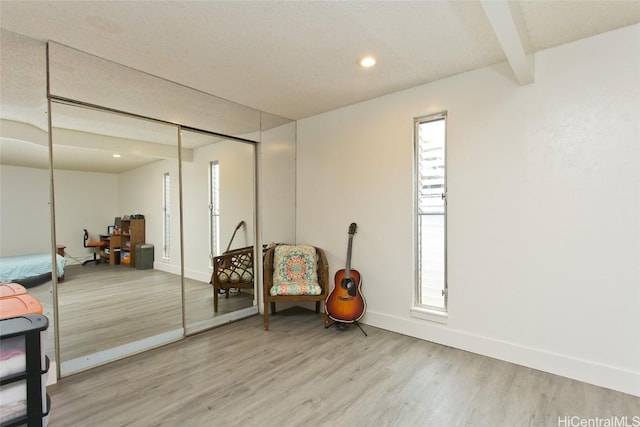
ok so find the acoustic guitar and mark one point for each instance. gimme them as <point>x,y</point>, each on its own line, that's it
<point>345,303</point>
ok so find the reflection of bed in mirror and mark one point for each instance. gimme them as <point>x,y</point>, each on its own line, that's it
<point>30,270</point>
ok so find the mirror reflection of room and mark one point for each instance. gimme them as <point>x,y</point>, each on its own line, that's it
<point>109,175</point>
<point>124,248</point>
<point>218,199</point>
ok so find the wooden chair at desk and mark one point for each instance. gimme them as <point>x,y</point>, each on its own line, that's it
<point>96,245</point>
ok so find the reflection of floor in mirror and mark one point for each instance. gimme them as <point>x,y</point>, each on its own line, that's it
<point>199,301</point>
<point>44,294</point>
<point>102,306</point>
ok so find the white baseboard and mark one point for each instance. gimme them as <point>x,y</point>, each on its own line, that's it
<point>189,274</point>
<point>166,267</point>
<point>198,275</point>
<point>587,371</point>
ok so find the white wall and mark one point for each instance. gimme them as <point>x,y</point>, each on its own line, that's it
<point>544,208</point>
<point>25,218</point>
<point>277,159</point>
<point>237,178</point>
<point>140,192</point>
<point>83,200</point>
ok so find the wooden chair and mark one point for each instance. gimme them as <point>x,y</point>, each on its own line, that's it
<point>232,270</point>
<point>273,294</point>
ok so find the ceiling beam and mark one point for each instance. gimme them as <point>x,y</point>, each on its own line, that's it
<point>505,29</point>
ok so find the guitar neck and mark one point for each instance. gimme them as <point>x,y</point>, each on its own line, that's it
<point>347,269</point>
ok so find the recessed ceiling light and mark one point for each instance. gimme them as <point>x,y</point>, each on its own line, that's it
<point>367,61</point>
<point>116,155</point>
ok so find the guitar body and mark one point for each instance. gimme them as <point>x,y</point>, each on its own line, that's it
<point>345,303</point>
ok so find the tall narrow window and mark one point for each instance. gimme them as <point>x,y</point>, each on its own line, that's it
<point>166,215</point>
<point>214,210</point>
<point>431,194</point>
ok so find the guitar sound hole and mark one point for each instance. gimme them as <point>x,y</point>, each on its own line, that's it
<point>350,286</point>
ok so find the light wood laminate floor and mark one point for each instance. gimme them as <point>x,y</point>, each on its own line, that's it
<point>103,306</point>
<point>300,374</point>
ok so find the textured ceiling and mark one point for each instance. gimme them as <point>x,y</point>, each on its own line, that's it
<point>298,58</point>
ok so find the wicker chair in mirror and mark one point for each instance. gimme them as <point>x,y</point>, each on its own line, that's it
<point>232,270</point>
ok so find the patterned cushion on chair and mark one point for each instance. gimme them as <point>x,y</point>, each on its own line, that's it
<point>295,271</point>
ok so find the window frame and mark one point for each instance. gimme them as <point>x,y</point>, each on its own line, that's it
<point>214,210</point>
<point>420,310</point>
<point>166,216</point>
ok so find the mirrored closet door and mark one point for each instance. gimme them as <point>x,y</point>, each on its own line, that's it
<point>116,177</point>
<point>218,193</point>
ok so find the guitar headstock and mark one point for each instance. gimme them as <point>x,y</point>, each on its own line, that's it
<point>352,229</point>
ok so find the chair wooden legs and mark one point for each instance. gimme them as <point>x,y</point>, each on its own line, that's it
<point>266,313</point>
<point>266,316</point>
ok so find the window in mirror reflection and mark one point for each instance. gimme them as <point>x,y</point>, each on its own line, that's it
<point>166,209</point>
<point>214,210</point>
